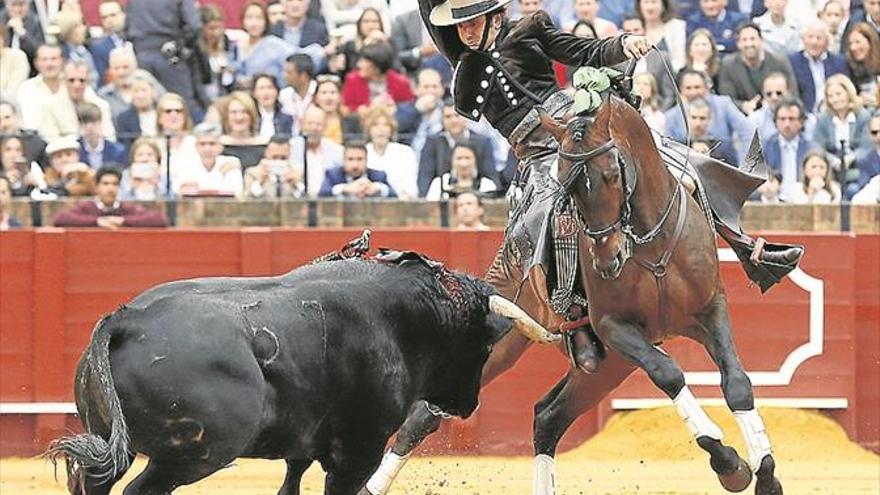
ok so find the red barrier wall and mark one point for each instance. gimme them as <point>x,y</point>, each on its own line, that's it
<point>54,284</point>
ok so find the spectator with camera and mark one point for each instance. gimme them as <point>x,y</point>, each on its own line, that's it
<point>145,178</point>
<point>462,176</point>
<point>66,174</point>
<point>273,177</point>
<point>436,155</point>
<point>164,33</point>
<point>23,176</point>
<point>106,211</point>
<point>10,125</point>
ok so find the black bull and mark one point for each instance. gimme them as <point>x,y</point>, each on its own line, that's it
<point>319,364</point>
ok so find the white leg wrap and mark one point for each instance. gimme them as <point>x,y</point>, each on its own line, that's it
<point>694,417</point>
<point>752,427</point>
<point>545,467</point>
<point>384,476</point>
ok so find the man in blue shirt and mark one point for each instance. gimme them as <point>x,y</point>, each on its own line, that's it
<point>728,123</point>
<point>721,22</point>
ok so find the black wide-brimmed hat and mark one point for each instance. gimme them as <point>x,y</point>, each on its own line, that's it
<point>453,12</point>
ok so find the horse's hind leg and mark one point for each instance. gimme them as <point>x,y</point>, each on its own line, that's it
<point>629,340</point>
<point>738,394</point>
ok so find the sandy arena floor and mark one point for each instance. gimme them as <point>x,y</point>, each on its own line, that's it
<point>644,452</point>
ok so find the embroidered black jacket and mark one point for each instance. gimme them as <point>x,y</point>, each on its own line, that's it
<point>506,81</point>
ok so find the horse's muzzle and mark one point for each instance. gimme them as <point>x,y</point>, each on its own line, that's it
<point>612,269</point>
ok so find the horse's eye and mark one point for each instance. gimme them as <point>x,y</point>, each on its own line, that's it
<point>611,175</point>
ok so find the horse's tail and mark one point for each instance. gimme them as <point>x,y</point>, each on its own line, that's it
<point>88,454</point>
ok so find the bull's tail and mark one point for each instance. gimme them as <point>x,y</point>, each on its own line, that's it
<point>102,460</point>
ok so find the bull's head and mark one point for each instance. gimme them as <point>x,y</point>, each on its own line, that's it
<point>458,392</point>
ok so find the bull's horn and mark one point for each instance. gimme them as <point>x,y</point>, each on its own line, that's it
<point>522,321</point>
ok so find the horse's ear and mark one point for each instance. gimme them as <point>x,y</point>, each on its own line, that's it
<point>551,125</point>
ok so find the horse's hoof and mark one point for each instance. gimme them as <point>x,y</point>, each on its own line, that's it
<point>738,480</point>
<point>767,483</point>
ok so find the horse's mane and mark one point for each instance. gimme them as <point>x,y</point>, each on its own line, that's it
<point>578,126</point>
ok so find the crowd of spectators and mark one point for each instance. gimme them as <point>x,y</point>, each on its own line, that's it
<point>350,98</point>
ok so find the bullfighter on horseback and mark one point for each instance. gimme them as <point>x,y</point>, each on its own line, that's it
<point>503,72</point>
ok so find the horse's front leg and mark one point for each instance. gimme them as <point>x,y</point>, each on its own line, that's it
<point>629,340</point>
<point>575,394</point>
<point>737,388</point>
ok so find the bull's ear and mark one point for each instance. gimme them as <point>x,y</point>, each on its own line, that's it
<point>551,125</point>
<point>497,327</point>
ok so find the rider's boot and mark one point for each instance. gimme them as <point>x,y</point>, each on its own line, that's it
<point>765,263</point>
<point>584,348</point>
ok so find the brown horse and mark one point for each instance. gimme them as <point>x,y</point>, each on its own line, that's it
<point>654,276</point>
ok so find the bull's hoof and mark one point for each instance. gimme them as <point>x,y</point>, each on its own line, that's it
<point>738,480</point>
<point>767,483</point>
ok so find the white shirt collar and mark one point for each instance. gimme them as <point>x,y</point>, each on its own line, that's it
<point>102,207</point>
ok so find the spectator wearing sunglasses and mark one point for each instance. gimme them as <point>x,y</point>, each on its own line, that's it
<point>60,118</point>
<point>774,90</point>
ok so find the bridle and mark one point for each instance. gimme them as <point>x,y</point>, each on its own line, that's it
<point>628,177</point>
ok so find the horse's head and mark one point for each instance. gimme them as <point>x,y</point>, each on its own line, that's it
<point>591,169</point>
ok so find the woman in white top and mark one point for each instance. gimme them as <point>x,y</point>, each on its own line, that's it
<point>817,185</point>
<point>663,29</point>
<point>842,127</point>
<point>397,160</point>
<point>176,141</point>
<point>463,176</point>
<point>645,85</point>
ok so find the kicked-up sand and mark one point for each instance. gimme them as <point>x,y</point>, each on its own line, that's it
<point>645,452</point>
